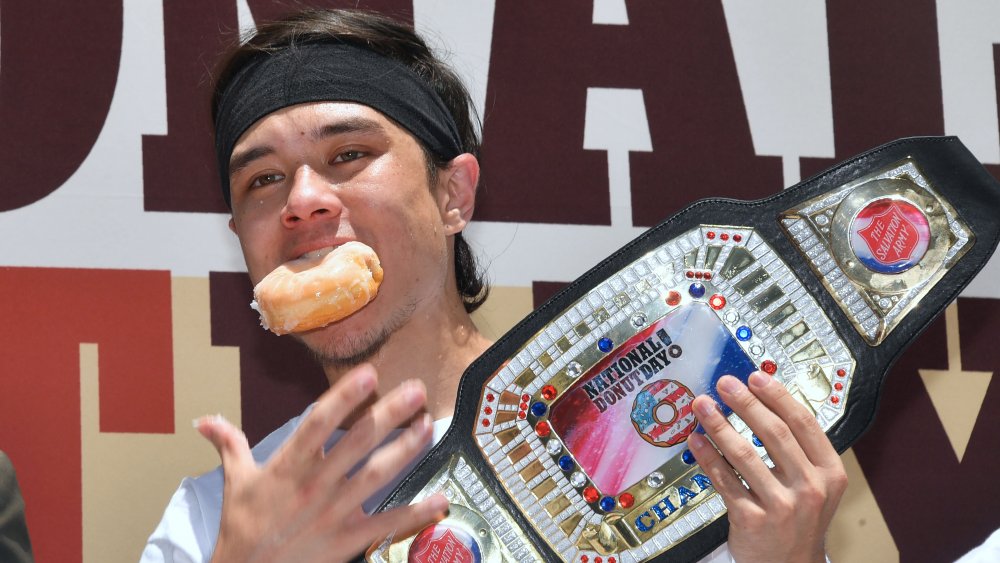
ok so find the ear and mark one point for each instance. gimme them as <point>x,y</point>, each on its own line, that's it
<point>457,192</point>
<point>232,225</point>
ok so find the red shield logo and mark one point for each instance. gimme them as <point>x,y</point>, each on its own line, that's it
<point>433,546</point>
<point>891,236</point>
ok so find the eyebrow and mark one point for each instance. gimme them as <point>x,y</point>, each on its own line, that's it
<point>243,159</point>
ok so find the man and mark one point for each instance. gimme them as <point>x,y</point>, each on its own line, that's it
<point>15,546</point>
<point>339,126</point>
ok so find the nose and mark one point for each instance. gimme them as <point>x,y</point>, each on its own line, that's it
<point>310,198</point>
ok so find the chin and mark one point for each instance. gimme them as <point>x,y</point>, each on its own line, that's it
<point>353,340</point>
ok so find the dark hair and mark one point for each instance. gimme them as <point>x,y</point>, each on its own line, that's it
<point>396,40</point>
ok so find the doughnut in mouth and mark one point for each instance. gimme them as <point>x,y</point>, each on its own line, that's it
<point>317,289</point>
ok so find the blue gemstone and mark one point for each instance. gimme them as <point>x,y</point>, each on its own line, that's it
<point>696,290</point>
<point>538,409</point>
<point>743,333</point>
<point>566,463</point>
<point>757,442</point>
<point>605,344</point>
<point>688,457</point>
<point>607,504</point>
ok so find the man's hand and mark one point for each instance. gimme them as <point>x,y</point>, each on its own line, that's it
<point>784,514</point>
<point>301,506</point>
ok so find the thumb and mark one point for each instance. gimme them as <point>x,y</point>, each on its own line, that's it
<point>229,441</point>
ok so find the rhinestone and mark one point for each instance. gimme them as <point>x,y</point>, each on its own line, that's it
<point>607,504</point>
<point>590,494</point>
<point>566,463</point>
<point>625,500</point>
<point>743,333</point>
<point>654,479</point>
<point>769,367</point>
<point>538,409</point>
<point>548,392</point>
<point>553,446</point>
<point>696,290</point>
<point>673,298</point>
<point>756,350</point>
<point>543,429</point>
<point>605,344</point>
<point>638,320</point>
<point>573,369</point>
<point>688,457</point>
<point>577,479</point>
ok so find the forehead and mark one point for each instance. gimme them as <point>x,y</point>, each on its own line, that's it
<point>316,119</point>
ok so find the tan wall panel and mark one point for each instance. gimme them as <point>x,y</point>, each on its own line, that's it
<point>859,531</point>
<point>128,478</point>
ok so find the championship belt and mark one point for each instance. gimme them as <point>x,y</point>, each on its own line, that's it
<point>569,436</point>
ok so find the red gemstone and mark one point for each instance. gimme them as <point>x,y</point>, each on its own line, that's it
<point>543,429</point>
<point>710,235</point>
<point>597,559</point>
<point>769,367</point>
<point>486,422</point>
<point>708,275</point>
<point>841,372</point>
<point>489,397</point>
<point>548,392</point>
<point>488,410</point>
<point>699,275</point>
<point>524,406</point>
<point>835,400</point>
<point>690,274</point>
<point>590,494</point>
<point>673,298</point>
<point>626,500</point>
<point>521,415</point>
<point>717,301</point>
<point>838,386</point>
<point>724,236</point>
<point>737,238</point>
<point>525,397</point>
<point>612,560</point>
<point>584,558</point>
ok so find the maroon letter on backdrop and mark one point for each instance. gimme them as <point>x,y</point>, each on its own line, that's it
<point>197,33</point>
<point>58,69</point>
<point>545,56</point>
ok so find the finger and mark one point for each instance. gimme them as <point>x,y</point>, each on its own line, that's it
<point>371,429</point>
<point>400,522</point>
<point>734,447</point>
<point>769,428</point>
<point>326,415</point>
<point>229,441</point>
<point>802,423</point>
<point>386,463</point>
<point>718,470</point>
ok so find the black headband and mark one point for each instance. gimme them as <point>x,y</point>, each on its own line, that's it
<point>331,72</point>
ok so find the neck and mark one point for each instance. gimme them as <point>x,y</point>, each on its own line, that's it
<point>435,348</point>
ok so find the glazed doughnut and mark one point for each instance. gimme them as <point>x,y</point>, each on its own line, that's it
<point>317,289</point>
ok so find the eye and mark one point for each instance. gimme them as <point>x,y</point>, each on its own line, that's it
<point>265,179</point>
<point>350,155</point>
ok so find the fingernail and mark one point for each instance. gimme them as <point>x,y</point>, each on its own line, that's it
<point>705,407</point>
<point>423,424</point>
<point>366,381</point>
<point>438,503</point>
<point>759,379</point>
<point>730,384</point>
<point>209,418</point>
<point>414,393</point>
<point>697,441</point>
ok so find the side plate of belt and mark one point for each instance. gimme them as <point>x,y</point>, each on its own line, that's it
<point>569,437</point>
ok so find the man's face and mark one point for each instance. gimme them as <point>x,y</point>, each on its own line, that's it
<point>318,175</point>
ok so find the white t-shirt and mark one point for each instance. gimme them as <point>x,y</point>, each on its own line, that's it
<point>190,524</point>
